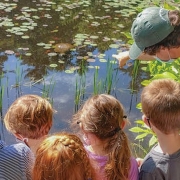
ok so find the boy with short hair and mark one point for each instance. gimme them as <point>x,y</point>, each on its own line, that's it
<point>161,107</point>
<point>29,119</point>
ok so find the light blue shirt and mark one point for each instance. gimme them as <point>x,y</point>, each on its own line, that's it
<point>16,162</point>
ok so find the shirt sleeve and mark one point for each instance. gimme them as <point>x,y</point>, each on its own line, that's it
<point>147,176</point>
<point>28,157</point>
<point>134,171</point>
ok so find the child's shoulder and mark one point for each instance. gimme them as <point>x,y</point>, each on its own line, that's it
<point>19,149</point>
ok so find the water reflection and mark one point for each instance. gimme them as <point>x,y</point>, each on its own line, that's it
<point>32,28</point>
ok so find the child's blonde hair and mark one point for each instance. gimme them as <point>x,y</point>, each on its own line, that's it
<point>62,156</point>
<point>103,115</point>
<point>29,115</point>
<point>161,104</point>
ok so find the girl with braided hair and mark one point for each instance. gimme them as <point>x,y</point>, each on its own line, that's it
<point>101,120</point>
<point>62,157</point>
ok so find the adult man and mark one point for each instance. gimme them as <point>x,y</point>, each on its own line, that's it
<point>156,34</point>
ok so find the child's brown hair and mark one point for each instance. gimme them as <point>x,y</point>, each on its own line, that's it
<point>103,115</point>
<point>161,104</point>
<point>62,156</point>
<point>29,115</point>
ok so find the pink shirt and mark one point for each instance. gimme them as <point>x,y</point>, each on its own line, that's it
<point>100,162</point>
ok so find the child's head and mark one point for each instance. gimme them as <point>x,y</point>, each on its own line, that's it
<point>62,156</point>
<point>161,104</point>
<point>29,116</point>
<point>103,116</point>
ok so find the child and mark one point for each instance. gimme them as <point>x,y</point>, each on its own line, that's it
<point>62,157</point>
<point>156,35</point>
<point>101,121</point>
<point>29,119</point>
<point>161,107</point>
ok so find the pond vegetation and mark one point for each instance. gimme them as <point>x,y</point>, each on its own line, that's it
<point>32,58</point>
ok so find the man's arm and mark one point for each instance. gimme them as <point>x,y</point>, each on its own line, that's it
<point>123,57</point>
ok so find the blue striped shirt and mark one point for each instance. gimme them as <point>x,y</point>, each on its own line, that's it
<point>16,162</point>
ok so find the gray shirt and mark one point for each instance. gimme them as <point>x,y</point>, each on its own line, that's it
<point>159,166</point>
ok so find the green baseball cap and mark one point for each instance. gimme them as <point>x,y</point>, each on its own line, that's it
<point>150,27</point>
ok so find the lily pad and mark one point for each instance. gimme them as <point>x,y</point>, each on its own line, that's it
<point>25,37</point>
<point>9,52</point>
<point>102,60</point>
<point>69,71</point>
<point>28,54</point>
<point>52,54</point>
<point>53,65</point>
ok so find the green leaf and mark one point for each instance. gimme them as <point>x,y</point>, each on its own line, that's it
<point>53,65</point>
<point>139,121</point>
<point>68,71</point>
<point>138,106</point>
<point>141,136</point>
<point>145,82</point>
<point>168,6</point>
<point>137,130</point>
<point>127,34</point>
<point>165,75</point>
<point>152,141</point>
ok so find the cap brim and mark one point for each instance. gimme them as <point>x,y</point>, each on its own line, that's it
<point>135,51</point>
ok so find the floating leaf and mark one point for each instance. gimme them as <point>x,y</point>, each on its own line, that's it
<point>69,71</point>
<point>114,46</point>
<point>41,44</point>
<point>90,60</point>
<point>28,54</point>
<point>91,67</point>
<point>53,65</point>
<point>25,37</point>
<point>9,52</point>
<point>94,37</point>
<point>61,62</point>
<point>102,60</point>
<point>52,54</point>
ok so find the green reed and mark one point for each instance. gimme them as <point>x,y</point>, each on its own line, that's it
<point>135,73</point>
<point>80,86</point>
<point>48,89</point>
<point>106,84</point>
<point>1,91</point>
<point>19,74</point>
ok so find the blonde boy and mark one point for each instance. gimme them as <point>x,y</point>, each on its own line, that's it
<point>29,119</point>
<point>161,107</point>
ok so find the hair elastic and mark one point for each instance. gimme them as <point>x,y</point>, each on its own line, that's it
<point>112,133</point>
<point>78,122</point>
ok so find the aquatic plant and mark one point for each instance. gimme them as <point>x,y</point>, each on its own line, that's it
<point>107,84</point>
<point>1,92</point>
<point>48,88</point>
<point>80,86</point>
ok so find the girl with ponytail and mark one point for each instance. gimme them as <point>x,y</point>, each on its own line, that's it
<point>101,120</point>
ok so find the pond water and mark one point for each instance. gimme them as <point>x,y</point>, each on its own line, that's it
<point>29,64</point>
